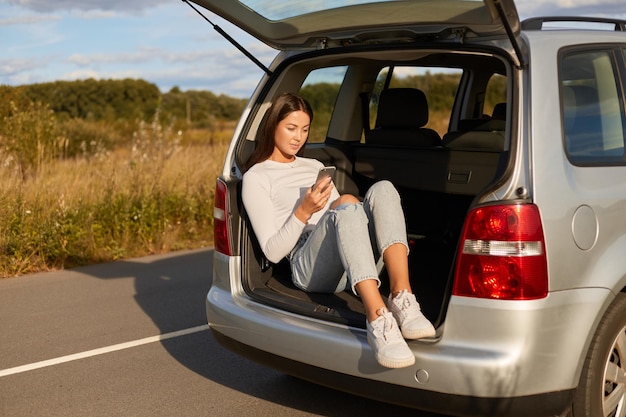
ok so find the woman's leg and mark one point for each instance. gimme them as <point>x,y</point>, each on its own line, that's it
<point>397,264</point>
<point>387,224</point>
<point>315,265</point>
<point>388,228</point>
<point>395,255</point>
<point>383,333</point>
<point>366,289</point>
<point>372,300</point>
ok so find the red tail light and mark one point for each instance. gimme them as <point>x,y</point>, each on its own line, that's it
<point>221,234</point>
<point>502,254</point>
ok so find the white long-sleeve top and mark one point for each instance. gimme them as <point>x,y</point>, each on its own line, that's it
<point>271,192</point>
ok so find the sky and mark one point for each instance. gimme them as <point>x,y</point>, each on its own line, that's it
<point>161,41</point>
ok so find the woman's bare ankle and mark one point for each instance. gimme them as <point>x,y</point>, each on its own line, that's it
<point>377,313</point>
<point>394,294</point>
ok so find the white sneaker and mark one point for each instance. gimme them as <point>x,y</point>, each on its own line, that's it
<point>385,338</point>
<point>407,312</point>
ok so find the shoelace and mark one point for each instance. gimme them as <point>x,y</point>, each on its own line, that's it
<point>406,305</point>
<point>390,332</point>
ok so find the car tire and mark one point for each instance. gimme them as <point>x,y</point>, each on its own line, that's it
<point>602,387</point>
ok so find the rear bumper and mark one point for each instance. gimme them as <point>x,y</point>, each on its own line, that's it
<point>546,404</point>
<point>492,357</point>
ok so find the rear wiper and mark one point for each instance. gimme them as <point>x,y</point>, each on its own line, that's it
<point>232,41</point>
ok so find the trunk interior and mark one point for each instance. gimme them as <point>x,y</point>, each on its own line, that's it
<point>434,215</point>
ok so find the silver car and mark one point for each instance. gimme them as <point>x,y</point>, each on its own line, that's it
<point>515,212</point>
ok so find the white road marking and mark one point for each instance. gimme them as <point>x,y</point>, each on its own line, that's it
<point>101,351</point>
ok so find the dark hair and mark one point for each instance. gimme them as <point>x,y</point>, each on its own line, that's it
<point>284,104</point>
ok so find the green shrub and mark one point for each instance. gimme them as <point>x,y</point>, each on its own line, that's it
<point>87,138</point>
<point>29,136</point>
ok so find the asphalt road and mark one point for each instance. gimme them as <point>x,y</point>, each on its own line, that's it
<point>130,338</point>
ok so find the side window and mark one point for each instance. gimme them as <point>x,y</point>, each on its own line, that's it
<point>321,89</point>
<point>495,97</point>
<point>592,111</point>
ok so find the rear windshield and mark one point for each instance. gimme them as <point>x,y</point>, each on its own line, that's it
<point>277,11</point>
<point>273,11</point>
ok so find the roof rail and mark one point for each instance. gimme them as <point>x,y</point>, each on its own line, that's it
<point>536,23</point>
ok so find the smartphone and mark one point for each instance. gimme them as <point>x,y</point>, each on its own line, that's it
<point>324,172</point>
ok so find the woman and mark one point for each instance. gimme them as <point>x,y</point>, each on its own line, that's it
<point>324,234</point>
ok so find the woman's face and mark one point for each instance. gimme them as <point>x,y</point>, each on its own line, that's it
<point>291,134</point>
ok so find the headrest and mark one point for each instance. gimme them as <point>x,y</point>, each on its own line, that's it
<point>499,111</point>
<point>402,108</point>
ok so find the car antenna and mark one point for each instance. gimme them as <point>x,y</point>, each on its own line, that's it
<point>232,41</point>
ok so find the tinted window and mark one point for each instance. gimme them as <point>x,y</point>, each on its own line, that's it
<point>592,113</point>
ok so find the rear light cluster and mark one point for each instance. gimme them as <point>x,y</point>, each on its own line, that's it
<point>502,254</point>
<point>221,230</point>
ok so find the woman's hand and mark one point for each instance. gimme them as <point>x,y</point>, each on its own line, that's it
<point>315,199</point>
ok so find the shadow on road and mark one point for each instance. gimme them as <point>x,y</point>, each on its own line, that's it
<point>172,290</point>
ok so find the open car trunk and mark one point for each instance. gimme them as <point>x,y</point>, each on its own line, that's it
<point>430,263</point>
<point>434,222</point>
<point>437,182</point>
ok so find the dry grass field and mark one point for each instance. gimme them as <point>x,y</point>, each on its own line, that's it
<point>153,196</point>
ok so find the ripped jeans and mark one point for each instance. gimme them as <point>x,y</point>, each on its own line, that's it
<point>347,241</point>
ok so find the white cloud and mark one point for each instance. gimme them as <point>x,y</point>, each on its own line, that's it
<point>222,58</point>
<point>95,14</point>
<point>47,6</point>
<point>224,70</point>
<point>81,75</point>
<point>597,8</point>
<point>115,58</point>
<point>39,42</point>
<point>18,71</point>
<point>11,67</point>
<point>28,19</point>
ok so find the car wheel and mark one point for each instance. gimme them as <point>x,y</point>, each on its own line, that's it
<point>602,387</point>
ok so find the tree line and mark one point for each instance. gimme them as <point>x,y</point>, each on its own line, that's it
<point>128,99</point>
<point>65,119</point>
